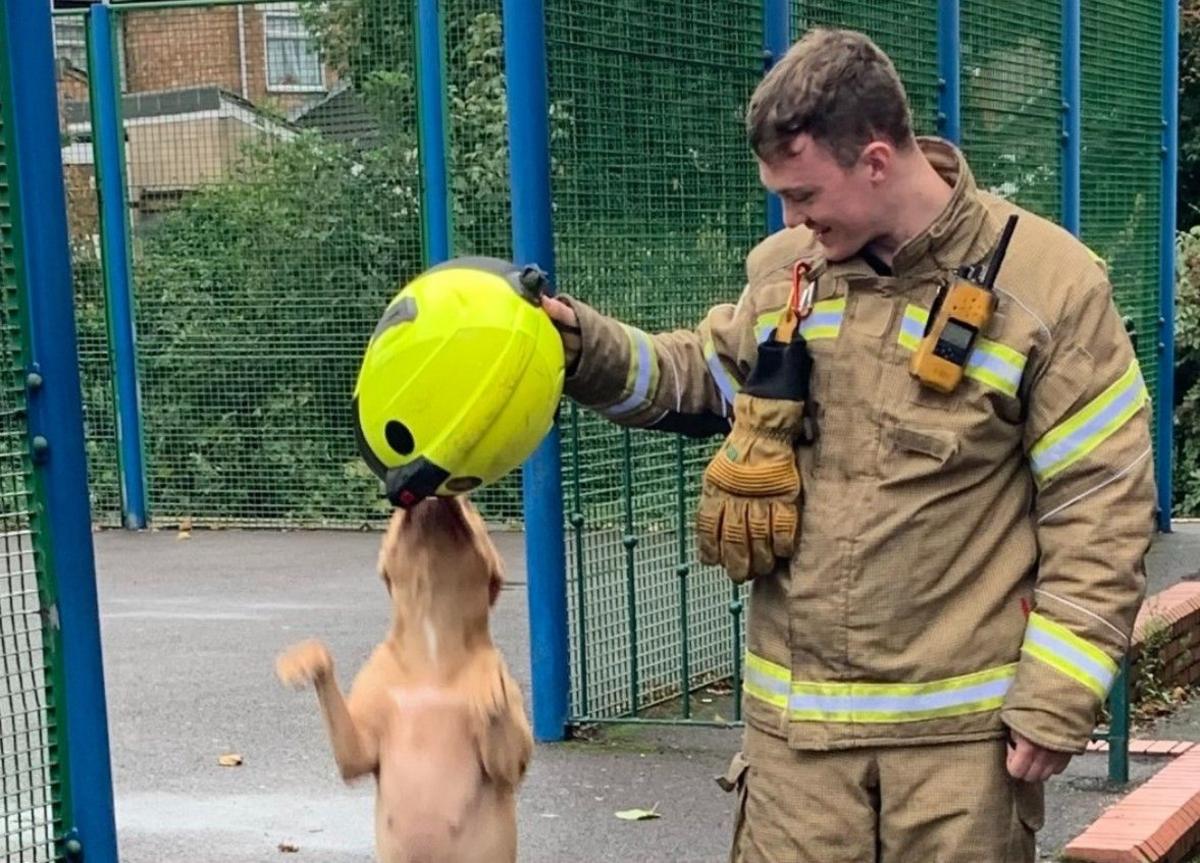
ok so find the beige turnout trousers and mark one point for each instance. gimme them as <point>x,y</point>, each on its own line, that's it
<point>938,803</point>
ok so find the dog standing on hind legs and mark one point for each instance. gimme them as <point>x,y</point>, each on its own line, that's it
<point>434,713</point>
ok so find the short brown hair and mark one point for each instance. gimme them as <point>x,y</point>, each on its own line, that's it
<point>838,87</point>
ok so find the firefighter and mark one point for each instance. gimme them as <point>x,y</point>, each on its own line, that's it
<point>942,583</point>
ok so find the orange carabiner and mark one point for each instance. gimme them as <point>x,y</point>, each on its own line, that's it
<point>799,305</point>
<point>801,301</point>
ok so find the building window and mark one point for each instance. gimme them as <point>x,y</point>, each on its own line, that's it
<point>70,40</point>
<point>293,63</point>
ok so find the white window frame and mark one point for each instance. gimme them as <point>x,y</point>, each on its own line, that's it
<point>59,42</point>
<point>286,11</point>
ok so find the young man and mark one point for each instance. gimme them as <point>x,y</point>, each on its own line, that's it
<point>949,578</point>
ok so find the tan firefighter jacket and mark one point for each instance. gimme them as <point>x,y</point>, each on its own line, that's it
<point>965,561</point>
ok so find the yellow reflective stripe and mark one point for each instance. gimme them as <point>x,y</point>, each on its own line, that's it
<point>765,323</point>
<point>641,378</point>
<point>997,366</point>
<point>1063,650</point>
<point>992,364</point>
<point>766,681</point>
<point>720,374</point>
<point>1099,420</point>
<point>825,322</point>
<point>767,668</point>
<point>878,702</point>
<point>912,327</point>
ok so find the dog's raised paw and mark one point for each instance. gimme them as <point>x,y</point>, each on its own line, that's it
<point>304,664</point>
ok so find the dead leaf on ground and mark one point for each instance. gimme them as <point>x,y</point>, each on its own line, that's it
<point>230,759</point>
<point>639,814</point>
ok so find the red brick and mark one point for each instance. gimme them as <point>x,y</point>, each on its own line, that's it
<point>1099,852</point>
<point>1161,747</point>
<point>1152,847</point>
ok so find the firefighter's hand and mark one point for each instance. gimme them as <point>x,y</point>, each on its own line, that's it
<point>1032,763</point>
<point>567,323</point>
<point>749,502</point>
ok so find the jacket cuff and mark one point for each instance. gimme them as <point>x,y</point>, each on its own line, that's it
<point>602,365</point>
<point>1049,708</point>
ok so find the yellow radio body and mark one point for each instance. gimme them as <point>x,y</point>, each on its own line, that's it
<point>942,356</point>
<point>960,313</point>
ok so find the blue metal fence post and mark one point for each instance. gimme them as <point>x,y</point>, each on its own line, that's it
<point>528,101</point>
<point>56,414</point>
<point>1165,404</point>
<point>436,218</point>
<point>949,49</point>
<point>777,32</point>
<point>1072,113</point>
<point>108,135</point>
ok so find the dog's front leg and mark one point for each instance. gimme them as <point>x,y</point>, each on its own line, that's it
<point>354,746</point>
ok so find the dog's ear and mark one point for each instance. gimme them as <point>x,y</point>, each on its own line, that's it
<point>487,552</point>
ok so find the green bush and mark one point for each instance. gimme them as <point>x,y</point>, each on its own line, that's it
<point>1187,374</point>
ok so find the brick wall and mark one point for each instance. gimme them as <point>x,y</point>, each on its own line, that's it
<point>1175,613</point>
<point>170,49</point>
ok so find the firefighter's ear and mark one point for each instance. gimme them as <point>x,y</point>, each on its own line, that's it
<point>877,160</point>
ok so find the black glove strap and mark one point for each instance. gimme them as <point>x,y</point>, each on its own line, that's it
<point>781,371</point>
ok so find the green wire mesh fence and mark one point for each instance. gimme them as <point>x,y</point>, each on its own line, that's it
<point>1012,100</point>
<point>273,209</point>
<point>274,206</point>
<point>1122,159</point>
<point>906,29</point>
<point>477,162</point>
<point>656,204</point>
<point>32,776</point>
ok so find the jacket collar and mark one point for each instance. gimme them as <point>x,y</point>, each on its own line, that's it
<point>961,233</point>
<point>952,238</point>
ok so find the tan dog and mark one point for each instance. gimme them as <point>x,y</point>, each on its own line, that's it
<point>433,713</point>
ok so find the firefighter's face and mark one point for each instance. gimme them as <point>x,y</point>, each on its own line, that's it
<point>842,206</point>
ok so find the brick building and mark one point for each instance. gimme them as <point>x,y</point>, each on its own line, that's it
<point>197,84</point>
<point>261,53</point>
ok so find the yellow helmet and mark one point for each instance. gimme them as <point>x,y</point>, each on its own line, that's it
<point>460,381</point>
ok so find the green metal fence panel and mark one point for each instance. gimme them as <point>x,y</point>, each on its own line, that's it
<point>274,203</point>
<point>272,173</point>
<point>656,204</point>
<point>79,176</point>
<point>273,181</point>
<point>1012,100</point>
<point>905,29</point>
<point>33,777</point>
<point>1122,158</point>
<point>478,164</point>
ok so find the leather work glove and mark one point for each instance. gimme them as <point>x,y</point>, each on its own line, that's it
<point>749,502</point>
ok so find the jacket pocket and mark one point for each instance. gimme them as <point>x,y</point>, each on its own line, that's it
<point>914,453</point>
<point>938,444</point>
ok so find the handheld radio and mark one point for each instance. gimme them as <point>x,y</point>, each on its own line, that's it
<point>959,314</point>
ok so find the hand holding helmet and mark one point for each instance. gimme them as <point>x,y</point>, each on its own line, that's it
<point>460,381</point>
